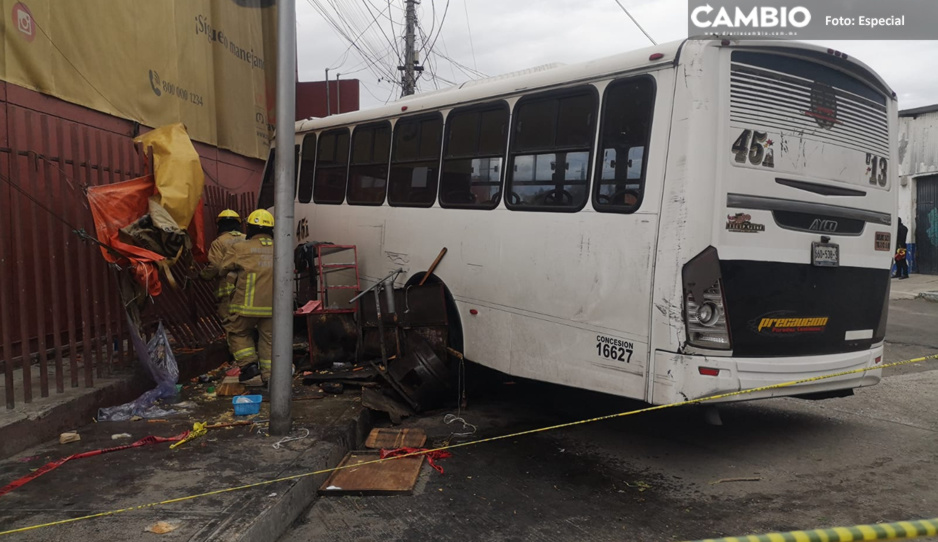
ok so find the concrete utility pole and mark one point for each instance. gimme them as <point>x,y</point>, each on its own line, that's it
<point>409,80</point>
<point>281,389</point>
<point>328,108</point>
<point>338,94</point>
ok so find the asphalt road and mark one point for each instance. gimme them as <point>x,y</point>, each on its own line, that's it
<point>777,464</point>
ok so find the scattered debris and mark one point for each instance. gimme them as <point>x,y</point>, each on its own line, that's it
<point>198,429</point>
<point>161,527</point>
<point>377,400</point>
<point>48,467</point>
<point>384,437</point>
<point>246,405</point>
<point>726,480</point>
<point>431,455</point>
<point>351,374</point>
<point>118,436</point>
<point>71,436</point>
<point>639,485</point>
<point>157,358</point>
<point>372,477</point>
<point>288,438</point>
<point>335,388</point>
<point>469,429</point>
<point>230,386</point>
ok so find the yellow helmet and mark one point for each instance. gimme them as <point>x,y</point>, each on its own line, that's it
<point>261,218</point>
<point>228,213</point>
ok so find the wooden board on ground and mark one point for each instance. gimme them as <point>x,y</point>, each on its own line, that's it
<point>392,477</point>
<point>389,438</point>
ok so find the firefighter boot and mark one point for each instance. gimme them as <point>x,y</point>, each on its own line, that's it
<point>251,375</point>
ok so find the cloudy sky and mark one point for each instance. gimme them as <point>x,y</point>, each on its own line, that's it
<point>493,37</point>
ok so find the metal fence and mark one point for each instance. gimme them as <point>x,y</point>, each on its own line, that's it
<point>61,317</point>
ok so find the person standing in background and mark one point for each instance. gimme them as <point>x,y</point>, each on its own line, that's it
<point>902,266</point>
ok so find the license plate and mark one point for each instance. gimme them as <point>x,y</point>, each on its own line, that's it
<point>825,254</point>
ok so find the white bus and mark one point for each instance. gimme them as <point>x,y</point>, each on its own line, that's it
<point>670,223</point>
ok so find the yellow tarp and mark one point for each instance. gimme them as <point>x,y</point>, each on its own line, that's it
<point>179,177</point>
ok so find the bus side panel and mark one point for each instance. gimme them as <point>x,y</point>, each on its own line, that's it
<point>688,203</point>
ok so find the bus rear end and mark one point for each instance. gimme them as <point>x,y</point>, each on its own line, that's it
<point>790,280</point>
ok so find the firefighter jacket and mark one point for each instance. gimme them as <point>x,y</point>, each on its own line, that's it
<point>216,255</point>
<point>252,261</point>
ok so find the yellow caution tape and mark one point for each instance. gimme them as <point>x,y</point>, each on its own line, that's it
<point>902,530</point>
<point>503,437</point>
<point>198,429</point>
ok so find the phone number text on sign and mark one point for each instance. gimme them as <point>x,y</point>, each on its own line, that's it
<point>614,349</point>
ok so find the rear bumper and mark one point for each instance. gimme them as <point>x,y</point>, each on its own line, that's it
<point>677,377</point>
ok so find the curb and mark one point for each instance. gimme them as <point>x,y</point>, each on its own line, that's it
<point>269,513</point>
<point>40,423</point>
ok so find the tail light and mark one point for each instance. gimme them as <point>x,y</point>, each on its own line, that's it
<point>705,315</point>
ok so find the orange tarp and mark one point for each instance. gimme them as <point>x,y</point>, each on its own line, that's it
<point>117,205</point>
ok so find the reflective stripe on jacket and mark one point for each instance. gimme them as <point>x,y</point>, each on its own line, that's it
<point>253,263</point>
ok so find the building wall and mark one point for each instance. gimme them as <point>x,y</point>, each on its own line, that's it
<point>49,150</point>
<point>311,98</point>
<point>918,156</point>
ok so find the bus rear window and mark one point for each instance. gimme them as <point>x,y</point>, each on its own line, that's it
<point>625,131</point>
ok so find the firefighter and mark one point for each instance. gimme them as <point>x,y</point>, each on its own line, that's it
<point>229,234</point>
<point>251,308</point>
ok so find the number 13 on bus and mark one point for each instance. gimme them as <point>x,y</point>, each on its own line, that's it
<point>665,224</point>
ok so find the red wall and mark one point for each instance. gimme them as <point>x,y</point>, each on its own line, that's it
<point>311,98</point>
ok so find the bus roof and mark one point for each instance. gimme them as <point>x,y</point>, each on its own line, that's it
<point>561,74</point>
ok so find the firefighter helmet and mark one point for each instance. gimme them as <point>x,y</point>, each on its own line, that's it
<point>261,218</point>
<point>228,213</point>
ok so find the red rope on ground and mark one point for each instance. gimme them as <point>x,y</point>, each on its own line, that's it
<point>431,455</point>
<point>58,463</point>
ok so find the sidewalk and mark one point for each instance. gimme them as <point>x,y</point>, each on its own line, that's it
<point>223,458</point>
<point>917,285</point>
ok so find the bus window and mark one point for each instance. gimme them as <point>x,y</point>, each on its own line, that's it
<point>331,167</point>
<point>415,161</point>
<point>368,172</point>
<point>550,154</point>
<point>307,162</point>
<point>624,133</point>
<point>472,161</point>
<point>265,199</point>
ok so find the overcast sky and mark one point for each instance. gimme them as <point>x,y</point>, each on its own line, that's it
<point>500,36</point>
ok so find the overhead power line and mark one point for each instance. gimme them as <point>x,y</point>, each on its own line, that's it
<point>636,23</point>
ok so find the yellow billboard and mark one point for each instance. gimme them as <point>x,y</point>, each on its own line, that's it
<point>210,64</point>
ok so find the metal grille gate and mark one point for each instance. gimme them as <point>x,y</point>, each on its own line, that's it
<point>926,225</point>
